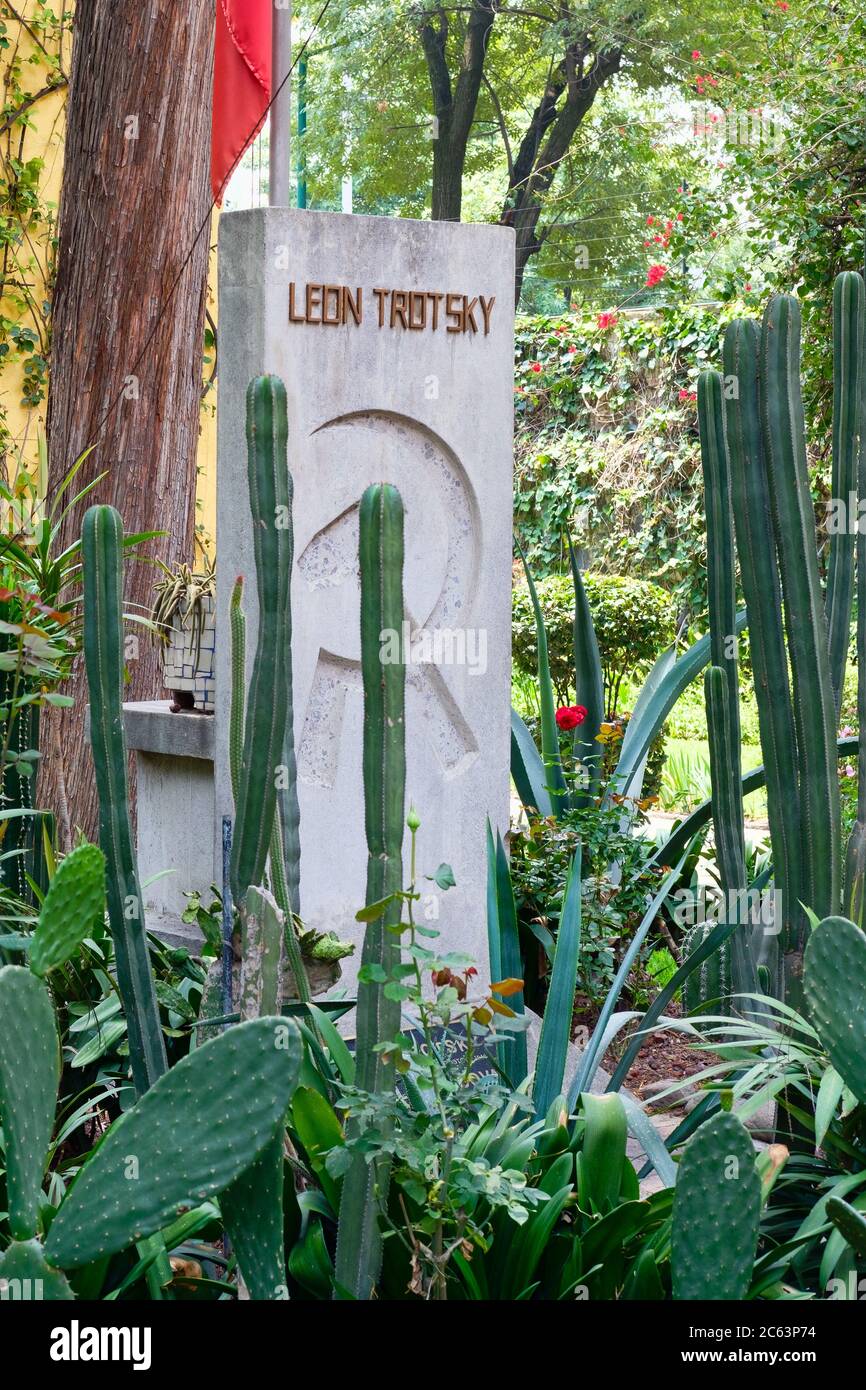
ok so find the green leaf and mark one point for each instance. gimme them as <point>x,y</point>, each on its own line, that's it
<point>559,1008</point>
<point>549,731</point>
<point>444,877</point>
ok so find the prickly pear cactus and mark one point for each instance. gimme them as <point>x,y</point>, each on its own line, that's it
<point>29,1076</point>
<point>834,978</point>
<point>717,1211</point>
<point>849,1222</point>
<point>191,1135</point>
<point>73,905</point>
<point>710,982</point>
<point>252,1209</point>
<point>25,1275</point>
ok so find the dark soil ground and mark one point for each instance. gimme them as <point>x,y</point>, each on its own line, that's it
<point>663,1057</point>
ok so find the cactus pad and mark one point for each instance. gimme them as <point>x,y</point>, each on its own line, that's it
<point>835,983</point>
<point>26,1276</point>
<point>717,1211</point>
<point>194,1131</point>
<point>252,1208</point>
<point>29,1075</point>
<point>73,905</point>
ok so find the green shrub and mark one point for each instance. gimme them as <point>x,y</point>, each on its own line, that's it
<point>634,622</point>
<point>541,856</point>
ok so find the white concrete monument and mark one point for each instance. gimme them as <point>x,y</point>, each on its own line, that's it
<point>395,342</point>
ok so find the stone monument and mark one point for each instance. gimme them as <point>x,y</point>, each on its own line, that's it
<point>395,342</point>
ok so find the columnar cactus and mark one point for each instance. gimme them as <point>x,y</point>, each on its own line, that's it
<point>721,688</point>
<point>266,711</point>
<point>790,628</point>
<point>384,761</point>
<point>805,619</point>
<point>849,384</point>
<point>266,819</point>
<point>855,859</point>
<point>102,557</point>
<point>710,982</point>
<point>756,549</point>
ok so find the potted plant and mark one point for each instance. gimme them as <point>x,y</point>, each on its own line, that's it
<point>183,618</point>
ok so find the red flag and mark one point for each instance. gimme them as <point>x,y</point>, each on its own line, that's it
<point>242,83</point>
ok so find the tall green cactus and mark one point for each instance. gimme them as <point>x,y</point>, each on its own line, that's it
<point>711,982</point>
<point>359,1250</point>
<point>805,619</point>
<point>752,509</point>
<point>797,642</point>
<point>855,858</point>
<point>266,818</point>
<point>721,681</point>
<point>265,727</point>
<point>849,384</point>
<point>102,558</point>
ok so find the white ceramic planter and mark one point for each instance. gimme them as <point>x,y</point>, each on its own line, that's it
<point>179,669</point>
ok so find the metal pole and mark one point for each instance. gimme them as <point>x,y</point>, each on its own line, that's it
<point>280,171</point>
<point>227,923</point>
<point>302,127</point>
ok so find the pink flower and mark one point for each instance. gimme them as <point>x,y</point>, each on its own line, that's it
<point>606,320</point>
<point>782,5</point>
<point>650,221</point>
<point>536,367</point>
<point>849,771</point>
<point>655,275</point>
<point>696,55</point>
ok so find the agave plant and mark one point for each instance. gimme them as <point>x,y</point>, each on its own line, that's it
<point>538,774</point>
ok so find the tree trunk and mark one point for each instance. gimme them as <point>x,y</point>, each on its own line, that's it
<point>454,108</point>
<point>126,356</point>
<point>546,143</point>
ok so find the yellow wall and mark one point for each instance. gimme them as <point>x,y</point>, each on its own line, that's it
<point>45,140</point>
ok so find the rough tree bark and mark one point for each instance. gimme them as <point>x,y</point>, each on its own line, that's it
<point>126,354</point>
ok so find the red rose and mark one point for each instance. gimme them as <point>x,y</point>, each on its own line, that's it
<point>569,716</point>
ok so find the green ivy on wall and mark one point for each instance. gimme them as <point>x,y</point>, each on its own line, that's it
<point>34,42</point>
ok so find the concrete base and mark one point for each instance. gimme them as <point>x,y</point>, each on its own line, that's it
<point>174,758</point>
